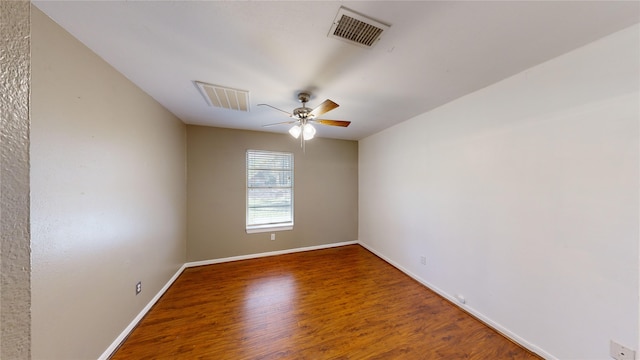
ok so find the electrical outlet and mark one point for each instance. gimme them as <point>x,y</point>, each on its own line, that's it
<point>273,236</point>
<point>621,352</point>
<point>423,260</point>
<point>138,287</point>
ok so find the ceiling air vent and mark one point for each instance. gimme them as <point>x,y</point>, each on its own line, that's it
<point>356,29</point>
<point>224,97</point>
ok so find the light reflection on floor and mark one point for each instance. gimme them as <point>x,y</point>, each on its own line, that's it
<point>269,309</point>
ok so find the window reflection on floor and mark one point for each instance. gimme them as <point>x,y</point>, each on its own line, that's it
<point>269,308</point>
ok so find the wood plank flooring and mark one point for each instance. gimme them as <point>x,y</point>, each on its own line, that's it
<point>339,303</point>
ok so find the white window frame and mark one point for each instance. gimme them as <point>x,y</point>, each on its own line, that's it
<point>275,226</point>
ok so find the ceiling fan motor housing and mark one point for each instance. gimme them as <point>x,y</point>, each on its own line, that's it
<point>302,113</point>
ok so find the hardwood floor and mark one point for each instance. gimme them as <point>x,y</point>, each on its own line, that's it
<point>339,303</point>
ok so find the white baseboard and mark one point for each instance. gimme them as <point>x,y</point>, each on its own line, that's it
<point>497,327</point>
<point>116,343</point>
<point>270,253</point>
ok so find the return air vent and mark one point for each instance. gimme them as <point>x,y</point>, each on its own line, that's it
<point>224,97</point>
<point>356,29</point>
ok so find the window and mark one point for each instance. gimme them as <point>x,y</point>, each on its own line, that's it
<point>269,191</point>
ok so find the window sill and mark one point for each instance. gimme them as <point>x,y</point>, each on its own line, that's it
<point>269,228</point>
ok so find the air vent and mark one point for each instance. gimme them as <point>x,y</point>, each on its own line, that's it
<point>356,29</point>
<point>224,97</point>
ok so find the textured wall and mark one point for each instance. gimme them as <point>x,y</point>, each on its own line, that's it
<point>15,297</point>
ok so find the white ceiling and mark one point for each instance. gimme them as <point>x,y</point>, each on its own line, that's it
<point>433,53</point>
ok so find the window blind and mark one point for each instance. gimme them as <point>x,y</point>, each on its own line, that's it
<point>269,189</point>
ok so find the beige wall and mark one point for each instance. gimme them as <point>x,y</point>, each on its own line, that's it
<point>326,192</point>
<point>108,191</point>
<point>14,181</point>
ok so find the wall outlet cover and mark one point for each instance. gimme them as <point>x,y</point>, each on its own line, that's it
<point>621,352</point>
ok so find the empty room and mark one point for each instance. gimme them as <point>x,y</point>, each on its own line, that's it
<point>320,180</point>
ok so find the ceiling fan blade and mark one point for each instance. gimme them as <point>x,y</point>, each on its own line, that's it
<point>326,106</point>
<point>281,123</point>
<point>332,122</point>
<point>273,107</point>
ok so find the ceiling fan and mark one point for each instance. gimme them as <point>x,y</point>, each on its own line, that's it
<point>305,117</point>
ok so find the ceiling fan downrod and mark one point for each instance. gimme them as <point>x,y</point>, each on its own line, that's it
<point>303,113</point>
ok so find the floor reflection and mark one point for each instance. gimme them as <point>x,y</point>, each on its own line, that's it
<point>269,310</point>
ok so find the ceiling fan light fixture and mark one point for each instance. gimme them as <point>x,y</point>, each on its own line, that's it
<point>304,116</point>
<point>308,132</point>
<point>295,131</point>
